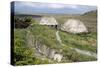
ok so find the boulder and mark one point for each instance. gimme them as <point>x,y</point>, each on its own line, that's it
<point>58,57</point>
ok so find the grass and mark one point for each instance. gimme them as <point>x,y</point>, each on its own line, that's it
<point>45,35</point>
<point>79,41</point>
<point>72,56</point>
<point>23,55</point>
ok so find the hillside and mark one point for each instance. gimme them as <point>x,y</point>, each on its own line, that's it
<point>90,19</point>
<point>38,45</point>
<point>44,44</point>
<point>92,14</point>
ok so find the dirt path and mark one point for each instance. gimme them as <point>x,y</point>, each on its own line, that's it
<point>84,52</point>
<point>58,38</point>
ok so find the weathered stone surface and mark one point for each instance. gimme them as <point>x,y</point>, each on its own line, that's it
<point>58,57</point>
<point>41,50</point>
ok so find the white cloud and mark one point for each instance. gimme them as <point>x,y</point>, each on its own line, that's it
<point>29,4</point>
<point>48,5</point>
<point>62,6</point>
<point>74,6</point>
<point>56,6</point>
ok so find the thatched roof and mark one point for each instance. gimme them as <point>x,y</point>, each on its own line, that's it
<point>48,21</point>
<point>74,26</point>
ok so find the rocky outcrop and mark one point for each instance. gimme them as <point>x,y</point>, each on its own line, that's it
<point>41,50</point>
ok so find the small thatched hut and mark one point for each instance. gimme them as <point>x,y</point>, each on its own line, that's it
<point>49,21</point>
<point>74,26</point>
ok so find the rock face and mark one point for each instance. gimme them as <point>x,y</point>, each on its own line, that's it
<point>74,26</point>
<point>48,21</point>
<point>44,51</point>
<point>41,50</point>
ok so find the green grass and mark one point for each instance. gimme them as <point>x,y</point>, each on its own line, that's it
<point>23,55</point>
<point>45,35</point>
<point>81,41</point>
<point>72,56</point>
<point>21,51</point>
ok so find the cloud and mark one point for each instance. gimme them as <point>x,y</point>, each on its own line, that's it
<point>56,6</point>
<point>73,6</point>
<point>45,5</point>
<point>30,4</point>
<point>59,6</point>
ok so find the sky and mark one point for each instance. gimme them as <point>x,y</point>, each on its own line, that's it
<point>55,8</point>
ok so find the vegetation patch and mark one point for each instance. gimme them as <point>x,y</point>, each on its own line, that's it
<point>79,41</point>
<point>45,35</point>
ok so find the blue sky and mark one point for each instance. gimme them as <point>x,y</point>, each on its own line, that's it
<point>31,8</point>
